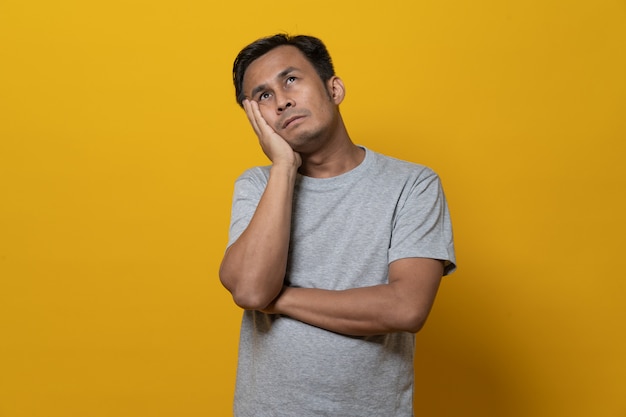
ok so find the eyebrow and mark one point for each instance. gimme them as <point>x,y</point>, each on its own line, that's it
<point>256,90</point>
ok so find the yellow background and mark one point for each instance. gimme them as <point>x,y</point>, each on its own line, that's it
<point>120,139</point>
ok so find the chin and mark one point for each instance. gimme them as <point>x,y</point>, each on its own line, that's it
<point>304,143</point>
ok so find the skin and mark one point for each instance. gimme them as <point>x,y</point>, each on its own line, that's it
<point>296,117</point>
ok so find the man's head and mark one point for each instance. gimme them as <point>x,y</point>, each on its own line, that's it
<point>312,48</point>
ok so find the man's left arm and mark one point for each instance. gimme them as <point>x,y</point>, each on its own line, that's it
<point>401,305</point>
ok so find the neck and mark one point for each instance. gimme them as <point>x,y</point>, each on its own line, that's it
<point>335,158</point>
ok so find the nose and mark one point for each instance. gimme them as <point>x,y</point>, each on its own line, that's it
<point>283,103</point>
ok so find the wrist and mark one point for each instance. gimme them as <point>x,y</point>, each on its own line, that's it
<point>286,169</point>
<point>278,305</point>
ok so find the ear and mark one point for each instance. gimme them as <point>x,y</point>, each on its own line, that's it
<point>336,89</point>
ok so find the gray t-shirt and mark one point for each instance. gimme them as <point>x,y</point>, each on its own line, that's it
<point>345,232</point>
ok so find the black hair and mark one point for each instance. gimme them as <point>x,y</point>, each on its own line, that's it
<point>312,48</point>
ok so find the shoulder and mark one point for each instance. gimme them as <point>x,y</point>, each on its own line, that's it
<point>395,168</point>
<point>258,175</point>
<point>251,183</point>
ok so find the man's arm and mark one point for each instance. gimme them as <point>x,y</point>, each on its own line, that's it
<point>253,268</point>
<point>401,305</point>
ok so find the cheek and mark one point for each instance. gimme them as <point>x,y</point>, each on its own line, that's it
<point>267,113</point>
<point>321,101</point>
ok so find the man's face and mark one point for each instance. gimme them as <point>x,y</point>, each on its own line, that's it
<point>292,98</point>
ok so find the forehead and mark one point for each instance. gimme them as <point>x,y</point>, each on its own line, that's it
<point>268,66</point>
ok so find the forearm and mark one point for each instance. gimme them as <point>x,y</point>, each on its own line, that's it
<point>354,312</point>
<point>253,268</point>
<point>357,312</point>
<point>402,305</point>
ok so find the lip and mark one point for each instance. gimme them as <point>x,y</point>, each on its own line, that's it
<point>291,120</point>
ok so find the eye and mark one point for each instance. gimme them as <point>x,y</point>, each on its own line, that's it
<point>291,80</point>
<point>264,96</point>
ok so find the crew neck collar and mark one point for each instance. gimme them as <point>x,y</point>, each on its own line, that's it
<point>338,180</point>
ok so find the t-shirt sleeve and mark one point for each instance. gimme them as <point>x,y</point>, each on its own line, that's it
<point>248,190</point>
<point>422,226</point>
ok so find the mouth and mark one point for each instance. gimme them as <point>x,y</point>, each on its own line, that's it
<point>290,120</point>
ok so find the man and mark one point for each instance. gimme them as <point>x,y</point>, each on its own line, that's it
<point>335,252</point>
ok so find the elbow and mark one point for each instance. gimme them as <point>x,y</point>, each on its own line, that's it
<point>416,326</point>
<point>246,296</point>
<point>249,300</point>
<point>252,288</point>
<point>412,321</point>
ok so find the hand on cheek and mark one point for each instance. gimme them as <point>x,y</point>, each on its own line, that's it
<point>274,146</point>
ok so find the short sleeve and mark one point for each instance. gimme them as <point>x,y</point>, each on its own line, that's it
<point>247,193</point>
<point>422,227</point>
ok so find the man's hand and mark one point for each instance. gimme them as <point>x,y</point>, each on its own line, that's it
<point>253,268</point>
<point>274,146</point>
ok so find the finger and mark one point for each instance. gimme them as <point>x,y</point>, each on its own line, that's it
<point>260,120</point>
<point>247,106</point>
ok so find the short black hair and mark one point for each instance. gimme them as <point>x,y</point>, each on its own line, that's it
<point>312,48</point>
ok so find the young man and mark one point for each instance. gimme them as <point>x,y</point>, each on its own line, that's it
<point>335,252</point>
